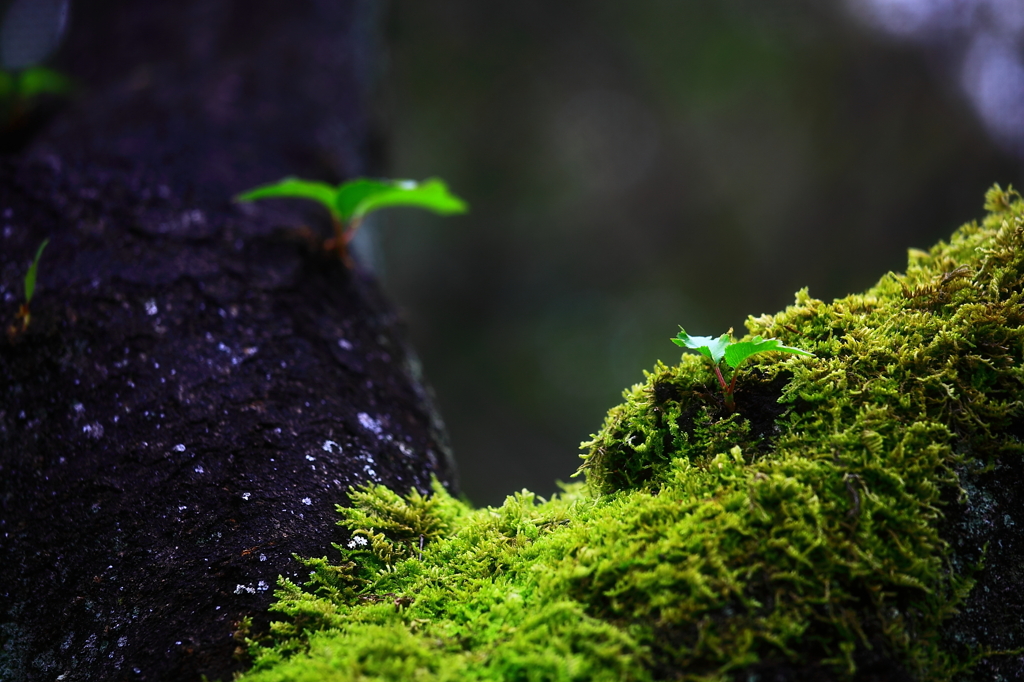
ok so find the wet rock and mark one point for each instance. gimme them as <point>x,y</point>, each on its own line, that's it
<point>199,382</point>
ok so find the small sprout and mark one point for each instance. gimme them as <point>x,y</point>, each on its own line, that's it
<point>23,91</point>
<point>24,313</point>
<point>38,80</point>
<point>350,202</point>
<point>733,352</point>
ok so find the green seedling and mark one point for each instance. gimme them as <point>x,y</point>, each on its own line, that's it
<point>28,83</point>
<point>733,352</point>
<point>350,202</point>
<point>24,313</point>
<point>20,90</point>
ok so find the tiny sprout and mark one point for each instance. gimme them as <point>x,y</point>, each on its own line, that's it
<point>34,81</point>
<point>21,90</point>
<point>733,352</point>
<point>24,314</point>
<point>350,202</point>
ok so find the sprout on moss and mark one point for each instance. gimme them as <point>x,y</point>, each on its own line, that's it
<point>733,352</point>
<point>700,549</point>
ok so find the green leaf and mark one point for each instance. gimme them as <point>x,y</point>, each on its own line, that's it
<point>708,346</point>
<point>39,80</point>
<point>356,198</point>
<point>351,194</point>
<point>30,276</point>
<point>740,351</point>
<point>430,195</point>
<point>295,188</point>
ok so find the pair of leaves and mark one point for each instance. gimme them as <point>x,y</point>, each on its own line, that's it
<point>734,352</point>
<point>352,200</point>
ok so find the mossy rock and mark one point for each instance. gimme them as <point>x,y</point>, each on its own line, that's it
<point>856,517</point>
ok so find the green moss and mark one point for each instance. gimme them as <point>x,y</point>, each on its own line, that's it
<point>802,532</point>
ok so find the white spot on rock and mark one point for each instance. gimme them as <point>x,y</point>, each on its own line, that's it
<point>369,423</point>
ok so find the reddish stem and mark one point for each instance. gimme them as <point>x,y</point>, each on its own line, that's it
<point>730,399</point>
<point>343,234</point>
<point>721,379</point>
<point>727,389</point>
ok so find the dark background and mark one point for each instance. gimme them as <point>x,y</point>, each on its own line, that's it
<point>634,166</point>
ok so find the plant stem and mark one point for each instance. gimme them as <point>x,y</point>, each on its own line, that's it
<point>343,233</point>
<point>721,379</point>
<point>727,389</point>
<point>730,399</point>
<point>346,237</point>
<point>350,229</point>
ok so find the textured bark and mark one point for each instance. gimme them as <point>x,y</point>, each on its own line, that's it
<point>200,382</point>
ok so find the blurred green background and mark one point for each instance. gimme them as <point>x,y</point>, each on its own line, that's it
<point>635,166</point>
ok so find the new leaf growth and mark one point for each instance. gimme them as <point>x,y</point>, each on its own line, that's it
<point>24,313</point>
<point>350,202</point>
<point>32,82</point>
<point>22,91</point>
<point>733,352</point>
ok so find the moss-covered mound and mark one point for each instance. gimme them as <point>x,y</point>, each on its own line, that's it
<point>826,529</point>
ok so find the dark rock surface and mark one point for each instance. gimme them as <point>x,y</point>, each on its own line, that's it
<point>199,383</point>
